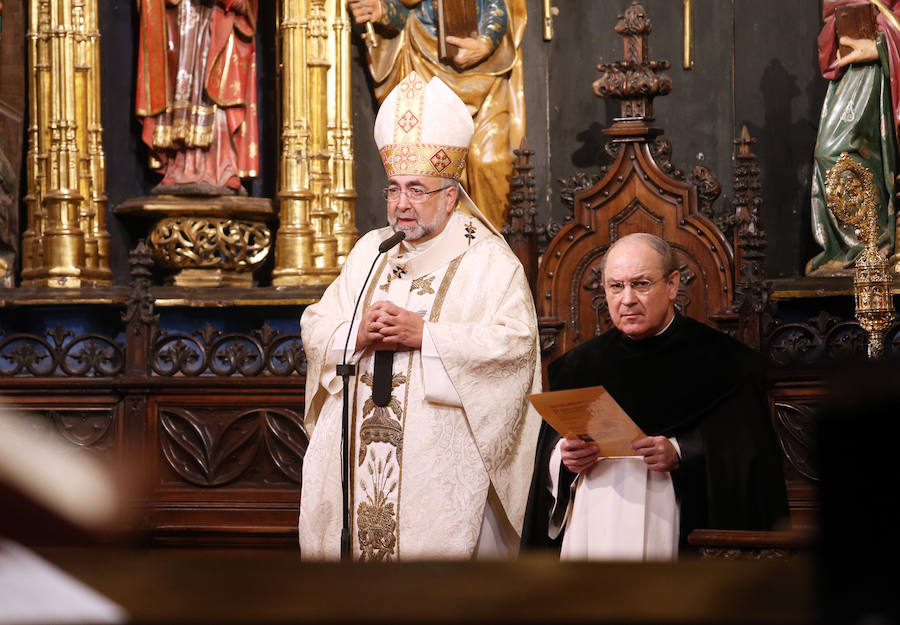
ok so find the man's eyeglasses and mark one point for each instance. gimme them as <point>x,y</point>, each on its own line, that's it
<point>641,287</point>
<point>415,194</point>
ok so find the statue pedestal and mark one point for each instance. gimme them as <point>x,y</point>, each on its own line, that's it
<point>207,241</point>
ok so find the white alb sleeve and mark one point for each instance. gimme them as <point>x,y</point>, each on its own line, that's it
<point>329,379</point>
<point>438,387</point>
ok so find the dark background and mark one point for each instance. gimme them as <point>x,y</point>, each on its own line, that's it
<point>754,64</point>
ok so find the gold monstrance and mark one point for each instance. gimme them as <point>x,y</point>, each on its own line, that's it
<point>851,197</point>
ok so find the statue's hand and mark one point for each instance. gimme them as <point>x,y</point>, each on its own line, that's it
<point>471,51</point>
<point>864,50</point>
<point>365,10</point>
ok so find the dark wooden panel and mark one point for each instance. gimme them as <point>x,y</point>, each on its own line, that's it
<point>778,95</point>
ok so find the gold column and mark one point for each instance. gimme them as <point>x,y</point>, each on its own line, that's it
<point>316,195</point>
<point>65,243</point>
<point>92,180</point>
<point>321,213</point>
<point>293,245</point>
<point>340,130</point>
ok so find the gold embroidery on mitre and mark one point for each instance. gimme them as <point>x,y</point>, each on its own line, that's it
<point>424,159</point>
<point>409,109</point>
<point>408,121</point>
<point>440,160</point>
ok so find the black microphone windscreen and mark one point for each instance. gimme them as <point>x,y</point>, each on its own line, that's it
<point>391,241</point>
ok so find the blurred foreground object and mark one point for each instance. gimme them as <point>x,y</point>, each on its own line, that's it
<point>48,491</point>
<point>34,591</point>
<point>859,507</point>
<point>269,586</point>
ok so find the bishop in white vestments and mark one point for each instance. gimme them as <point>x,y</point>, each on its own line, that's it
<point>442,436</point>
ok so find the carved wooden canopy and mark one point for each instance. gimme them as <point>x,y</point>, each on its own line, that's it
<point>635,194</point>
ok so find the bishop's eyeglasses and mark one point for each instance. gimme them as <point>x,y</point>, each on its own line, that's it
<point>415,195</point>
<point>642,287</point>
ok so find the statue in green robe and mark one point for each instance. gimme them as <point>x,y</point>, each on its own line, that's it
<point>860,117</point>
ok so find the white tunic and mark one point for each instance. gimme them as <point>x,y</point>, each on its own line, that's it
<point>618,510</point>
<point>444,469</point>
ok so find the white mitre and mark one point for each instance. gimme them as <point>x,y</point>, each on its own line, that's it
<point>425,130</point>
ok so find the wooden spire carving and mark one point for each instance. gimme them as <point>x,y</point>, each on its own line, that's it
<point>751,290</point>
<point>636,79</point>
<point>520,230</point>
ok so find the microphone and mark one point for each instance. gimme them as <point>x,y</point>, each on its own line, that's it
<point>345,371</point>
<point>391,241</point>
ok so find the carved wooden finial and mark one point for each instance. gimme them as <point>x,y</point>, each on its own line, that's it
<point>139,303</point>
<point>744,142</point>
<point>751,293</point>
<point>521,194</point>
<point>523,146</point>
<point>520,230</point>
<point>521,191</point>
<point>636,80</point>
<point>634,23</point>
<point>139,262</point>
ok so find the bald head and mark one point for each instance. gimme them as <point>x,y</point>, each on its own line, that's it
<point>640,278</point>
<point>667,259</point>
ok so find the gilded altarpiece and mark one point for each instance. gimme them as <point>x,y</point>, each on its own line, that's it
<point>316,194</point>
<point>66,243</point>
<point>222,240</point>
<point>201,387</point>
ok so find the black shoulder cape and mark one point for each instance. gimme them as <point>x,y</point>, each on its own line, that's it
<point>700,386</point>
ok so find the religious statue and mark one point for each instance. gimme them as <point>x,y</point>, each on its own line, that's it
<point>196,93</point>
<point>486,73</point>
<point>859,116</point>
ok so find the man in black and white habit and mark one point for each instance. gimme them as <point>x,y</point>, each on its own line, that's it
<point>709,460</point>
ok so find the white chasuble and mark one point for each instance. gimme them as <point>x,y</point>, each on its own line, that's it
<point>457,433</point>
<point>618,510</point>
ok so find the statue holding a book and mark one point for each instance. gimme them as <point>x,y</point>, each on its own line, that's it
<point>859,52</point>
<point>482,63</point>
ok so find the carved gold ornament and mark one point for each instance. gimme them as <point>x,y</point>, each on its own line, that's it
<point>210,243</point>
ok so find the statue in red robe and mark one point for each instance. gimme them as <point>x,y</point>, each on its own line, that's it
<point>196,93</point>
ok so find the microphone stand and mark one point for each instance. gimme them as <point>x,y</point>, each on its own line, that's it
<point>347,371</point>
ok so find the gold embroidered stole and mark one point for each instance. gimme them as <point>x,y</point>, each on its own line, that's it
<point>377,432</point>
